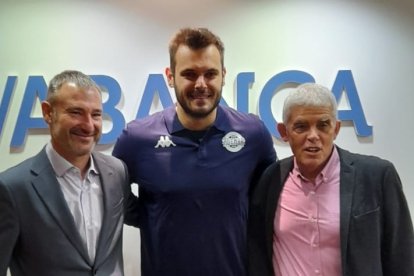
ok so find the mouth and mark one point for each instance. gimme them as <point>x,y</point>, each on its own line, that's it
<point>312,149</point>
<point>83,135</point>
<point>200,95</point>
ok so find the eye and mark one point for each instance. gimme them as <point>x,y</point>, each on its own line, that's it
<point>189,75</point>
<point>97,115</point>
<point>211,74</point>
<point>324,124</point>
<point>74,112</point>
<point>300,127</point>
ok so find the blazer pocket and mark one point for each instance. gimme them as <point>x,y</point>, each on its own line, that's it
<point>366,213</point>
<point>366,225</point>
<point>364,240</point>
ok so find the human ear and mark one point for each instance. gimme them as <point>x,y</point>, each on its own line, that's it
<point>47,111</point>
<point>170,76</point>
<point>281,127</point>
<point>224,76</point>
<point>337,128</point>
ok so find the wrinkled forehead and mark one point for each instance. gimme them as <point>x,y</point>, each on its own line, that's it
<point>70,93</point>
<point>310,113</point>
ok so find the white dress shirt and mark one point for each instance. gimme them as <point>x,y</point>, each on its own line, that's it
<point>84,197</point>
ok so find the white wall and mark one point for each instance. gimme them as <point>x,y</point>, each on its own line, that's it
<point>128,41</point>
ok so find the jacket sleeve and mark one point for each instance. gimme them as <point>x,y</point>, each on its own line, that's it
<point>398,237</point>
<point>9,228</point>
<point>259,232</point>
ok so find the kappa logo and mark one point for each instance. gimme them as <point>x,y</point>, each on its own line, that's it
<point>164,142</point>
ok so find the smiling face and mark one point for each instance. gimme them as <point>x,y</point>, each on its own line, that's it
<point>198,80</point>
<point>311,132</point>
<point>74,117</point>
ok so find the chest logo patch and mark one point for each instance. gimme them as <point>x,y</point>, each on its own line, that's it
<point>233,141</point>
<point>164,142</point>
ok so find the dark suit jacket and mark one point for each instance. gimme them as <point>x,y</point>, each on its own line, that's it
<point>38,235</point>
<point>376,231</point>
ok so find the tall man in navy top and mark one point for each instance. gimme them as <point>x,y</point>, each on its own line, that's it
<point>194,163</point>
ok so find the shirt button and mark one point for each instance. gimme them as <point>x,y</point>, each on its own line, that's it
<point>317,271</point>
<point>312,219</point>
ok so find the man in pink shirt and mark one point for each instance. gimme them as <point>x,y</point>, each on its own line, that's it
<point>325,210</point>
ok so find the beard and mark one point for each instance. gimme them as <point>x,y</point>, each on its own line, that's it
<point>196,113</point>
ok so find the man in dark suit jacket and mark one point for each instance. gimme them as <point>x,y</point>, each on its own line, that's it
<point>325,210</point>
<point>61,211</point>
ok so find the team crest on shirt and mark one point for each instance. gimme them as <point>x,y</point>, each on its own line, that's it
<point>233,141</point>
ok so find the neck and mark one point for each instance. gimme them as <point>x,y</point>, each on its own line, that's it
<point>82,163</point>
<point>194,123</point>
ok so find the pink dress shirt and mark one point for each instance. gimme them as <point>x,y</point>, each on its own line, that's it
<point>306,227</point>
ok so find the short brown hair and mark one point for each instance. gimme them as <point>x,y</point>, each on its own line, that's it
<point>195,39</point>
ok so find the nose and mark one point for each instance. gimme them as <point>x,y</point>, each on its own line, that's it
<point>200,82</point>
<point>88,122</point>
<point>313,134</point>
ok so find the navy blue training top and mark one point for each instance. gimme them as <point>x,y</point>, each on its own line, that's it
<point>193,193</point>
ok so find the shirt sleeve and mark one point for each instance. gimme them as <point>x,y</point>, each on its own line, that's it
<point>267,154</point>
<point>125,151</point>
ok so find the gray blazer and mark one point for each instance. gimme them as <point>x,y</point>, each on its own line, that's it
<point>376,231</point>
<point>38,235</point>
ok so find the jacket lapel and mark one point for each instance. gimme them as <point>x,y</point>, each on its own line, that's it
<point>111,224</point>
<point>275,188</point>
<point>347,184</point>
<point>47,187</point>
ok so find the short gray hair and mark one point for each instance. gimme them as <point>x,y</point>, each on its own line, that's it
<point>78,78</point>
<point>309,95</point>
